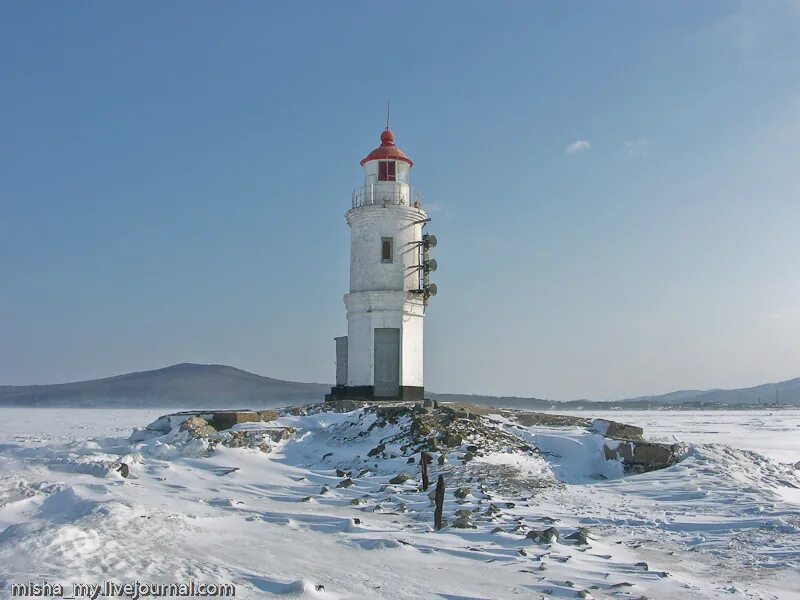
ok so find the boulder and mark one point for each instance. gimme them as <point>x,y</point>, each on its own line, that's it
<point>123,469</point>
<point>618,431</point>
<point>400,479</point>
<point>276,434</point>
<point>452,440</point>
<point>345,483</point>
<point>463,523</point>
<point>580,537</point>
<point>544,536</point>
<point>462,492</point>
<point>198,427</point>
<point>377,449</point>
<point>641,457</point>
<point>225,419</point>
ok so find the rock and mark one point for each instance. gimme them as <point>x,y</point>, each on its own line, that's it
<point>580,537</point>
<point>392,413</point>
<point>468,457</point>
<point>521,551</point>
<point>400,479</point>
<point>492,511</point>
<point>510,505</point>
<point>544,536</point>
<point>325,489</point>
<point>619,431</point>
<point>452,440</point>
<point>198,427</point>
<point>462,492</point>
<point>472,448</point>
<point>358,501</point>
<point>225,419</point>
<point>123,469</point>
<point>497,530</point>
<point>306,499</point>
<point>641,457</point>
<point>463,523</point>
<point>340,473</point>
<point>585,594</point>
<point>326,455</point>
<point>276,434</point>
<point>345,483</point>
<point>534,419</point>
<point>643,566</point>
<point>344,406</point>
<point>463,512</point>
<point>427,403</point>
<point>377,449</point>
<point>442,459</point>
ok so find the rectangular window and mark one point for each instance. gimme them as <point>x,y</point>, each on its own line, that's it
<point>386,249</point>
<point>387,170</point>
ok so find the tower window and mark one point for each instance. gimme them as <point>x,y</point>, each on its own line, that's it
<point>387,170</point>
<point>386,249</point>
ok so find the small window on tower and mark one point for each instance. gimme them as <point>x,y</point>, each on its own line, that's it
<point>386,249</point>
<point>387,171</point>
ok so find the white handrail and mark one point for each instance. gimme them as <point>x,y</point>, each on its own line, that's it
<point>387,192</point>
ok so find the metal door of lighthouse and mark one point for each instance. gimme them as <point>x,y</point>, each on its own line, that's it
<point>387,362</point>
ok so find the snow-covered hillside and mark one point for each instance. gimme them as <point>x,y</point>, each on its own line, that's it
<point>722,523</point>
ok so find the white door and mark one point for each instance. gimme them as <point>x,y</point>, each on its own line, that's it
<point>387,362</point>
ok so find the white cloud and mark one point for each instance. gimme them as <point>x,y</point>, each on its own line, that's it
<point>638,147</point>
<point>578,146</point>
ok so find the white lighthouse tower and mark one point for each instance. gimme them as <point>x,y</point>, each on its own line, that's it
<point>381,357</point>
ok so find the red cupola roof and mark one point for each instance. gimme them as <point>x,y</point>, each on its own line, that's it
<point>387,150</point>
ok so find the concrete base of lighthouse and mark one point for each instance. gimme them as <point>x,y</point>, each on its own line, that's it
<point>408,393</point>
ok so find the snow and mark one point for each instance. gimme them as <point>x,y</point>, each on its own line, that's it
<point>722,523</point>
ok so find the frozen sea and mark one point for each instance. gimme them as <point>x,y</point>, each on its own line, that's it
<point>722,523</point>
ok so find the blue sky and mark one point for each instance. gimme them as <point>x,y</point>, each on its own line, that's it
<point>614,186</point>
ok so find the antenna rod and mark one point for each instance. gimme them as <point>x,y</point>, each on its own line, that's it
<point>388,105</point>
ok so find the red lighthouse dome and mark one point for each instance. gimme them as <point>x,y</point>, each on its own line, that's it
<point>387,150</point>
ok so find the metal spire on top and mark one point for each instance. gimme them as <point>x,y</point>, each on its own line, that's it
<point>388,105</point>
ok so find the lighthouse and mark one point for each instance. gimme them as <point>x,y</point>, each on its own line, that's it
<point>381,357</point>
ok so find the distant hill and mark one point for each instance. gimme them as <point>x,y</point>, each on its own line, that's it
<point>183,385</point>
<point>784,392</point>
<point>218,386</point>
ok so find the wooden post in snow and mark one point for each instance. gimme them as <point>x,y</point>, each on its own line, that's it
<point>425,459</point>
<point>439,500</point>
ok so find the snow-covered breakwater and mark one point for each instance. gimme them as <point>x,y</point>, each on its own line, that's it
<point>719,523</point>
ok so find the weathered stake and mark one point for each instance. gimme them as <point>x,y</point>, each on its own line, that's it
<point>439,500</point>
<point>424,460</point>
